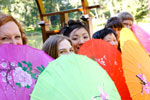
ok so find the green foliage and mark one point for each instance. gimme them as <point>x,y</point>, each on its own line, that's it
<point>26,11</point>
<point>142,11</point>
<point>35,41</point>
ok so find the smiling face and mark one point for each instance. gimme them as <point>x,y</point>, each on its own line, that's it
<point>10,34</point>
<point>64,47</point>
<point>78,37</point>
<point>111,39</point>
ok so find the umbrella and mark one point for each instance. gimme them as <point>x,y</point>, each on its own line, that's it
<point>74,77</point>
<point>125,35</point>
<point>136,65</point>
<point>109,58</point>
<point>142,36</point>
<point>20,66</point>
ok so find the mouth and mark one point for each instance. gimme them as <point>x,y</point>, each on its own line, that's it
<point>78,48</point>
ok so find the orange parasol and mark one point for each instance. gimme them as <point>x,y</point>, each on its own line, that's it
<point>136,65</point>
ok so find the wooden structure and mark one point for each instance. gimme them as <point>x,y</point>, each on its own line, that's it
<point>44,23</point>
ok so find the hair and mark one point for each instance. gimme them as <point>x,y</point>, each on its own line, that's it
<point>125,16</point>
<point>103,32</point>
<point>114,22</point>
<point>50,46</point>
<point>72,24</point>
<point>8,18</point>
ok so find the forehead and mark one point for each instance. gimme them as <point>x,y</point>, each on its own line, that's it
<point>64,44</point>
<point>109,36</point>
<point>79,32</point>
<point>117,29</point>
<point>9,28</point>
<point>128,21</point>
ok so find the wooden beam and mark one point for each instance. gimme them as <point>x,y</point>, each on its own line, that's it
<point>63,17</point>
<point>52,32</point>
<point>69,11</point>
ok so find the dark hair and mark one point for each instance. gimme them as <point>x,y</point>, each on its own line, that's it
<point>125,16</point>
<point>103,32</point>
<point>72,24</point>
<point>114,22</point>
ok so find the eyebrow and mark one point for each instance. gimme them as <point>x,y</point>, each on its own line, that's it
<point>62,49</point>
<point>83,34</point>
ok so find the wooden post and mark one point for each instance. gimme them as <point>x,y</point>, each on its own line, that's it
<point>88,19</point>
<point>44,22</point>
<point>63,18</point>
<point>85,7</point>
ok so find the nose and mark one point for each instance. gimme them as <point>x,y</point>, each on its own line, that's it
<point>68,52</point>
<point>13,41</point>
<point>81,41</point>
<point>114,44</point>
<point>128,26</point>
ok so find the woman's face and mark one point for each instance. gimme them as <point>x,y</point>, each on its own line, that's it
<point>64,47</point>
<point>10,34</point>
<point>127,23</point>
<point>78,37</point>
<point>111,39</point>
<point>117,30</point>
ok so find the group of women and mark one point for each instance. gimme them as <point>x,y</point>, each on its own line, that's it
<point>72,36</point>
<point>75,33</point>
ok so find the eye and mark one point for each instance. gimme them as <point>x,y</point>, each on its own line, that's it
<point>17,37</point>
<point>125,23</point>
<point>85,37</point>
<point>108,40</point>
<point>4,38</point>
<point>115,40</point>
<point>62,51</point>
<point>75,38</point>
<point>71,50</point>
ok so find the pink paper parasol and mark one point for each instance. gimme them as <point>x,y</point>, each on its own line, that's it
<point>20,66</point>
<point>142,36</point>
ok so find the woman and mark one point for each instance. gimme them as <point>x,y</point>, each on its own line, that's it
<point>126,18</point>
<point>11,31</point>
<point>58,45</point>
<point>116,24</point>
<point>108,35</point>
<point>77,32</point>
